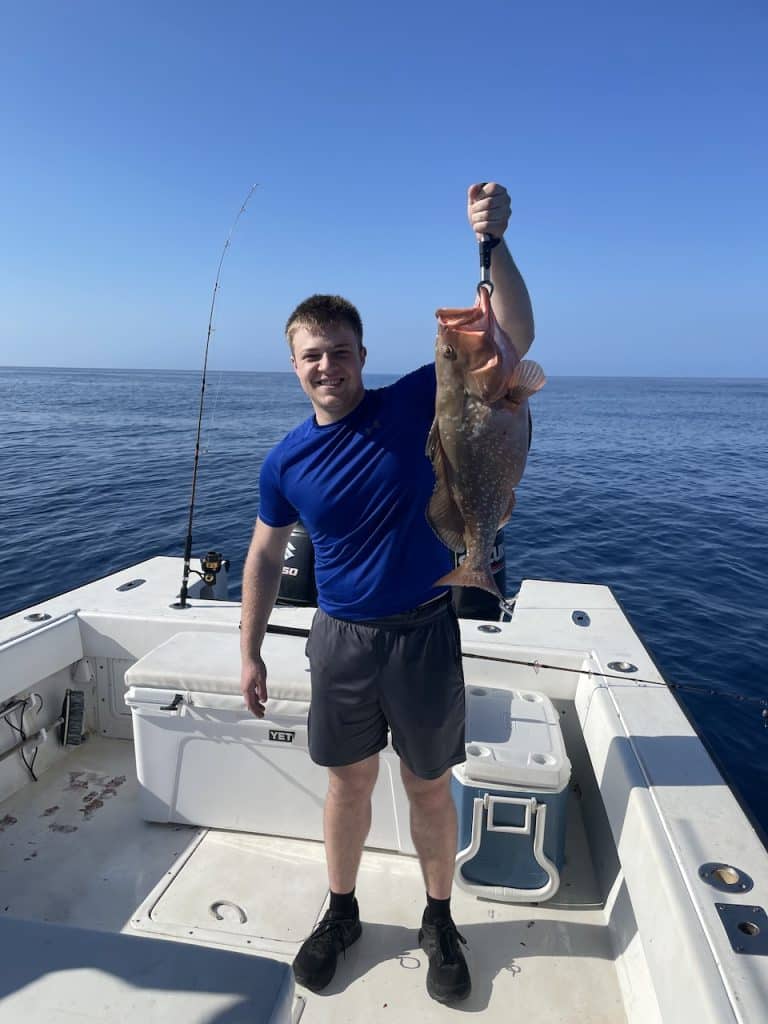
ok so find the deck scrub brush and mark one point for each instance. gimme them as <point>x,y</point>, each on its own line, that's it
<point>72,720</point>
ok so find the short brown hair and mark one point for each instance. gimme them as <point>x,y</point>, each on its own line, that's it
<point>319,312</point>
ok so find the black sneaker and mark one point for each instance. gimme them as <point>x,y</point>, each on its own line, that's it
<point>315,962</point>
<point>448,978</point>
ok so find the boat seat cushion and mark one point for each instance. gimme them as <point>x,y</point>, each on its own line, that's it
<point>208,662</point>
<point>104,976</point>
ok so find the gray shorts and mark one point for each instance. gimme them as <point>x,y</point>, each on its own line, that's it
<point>401,673</point>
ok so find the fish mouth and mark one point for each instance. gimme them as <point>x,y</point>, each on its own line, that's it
<point>483,353</point>
<point>475,319</point>
<point>469,332</point>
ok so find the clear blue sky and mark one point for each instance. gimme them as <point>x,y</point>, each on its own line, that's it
<point>632,138</point>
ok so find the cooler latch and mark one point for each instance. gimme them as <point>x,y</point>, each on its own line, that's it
<point>174,705</point>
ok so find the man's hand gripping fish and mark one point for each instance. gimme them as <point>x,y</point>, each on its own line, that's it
<point>478,443</point>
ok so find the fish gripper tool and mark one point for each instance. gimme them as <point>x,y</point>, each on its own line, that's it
<point>488,242</point>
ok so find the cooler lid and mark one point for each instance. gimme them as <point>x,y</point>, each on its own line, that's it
<point>514,738</point>
<point>209,662</point>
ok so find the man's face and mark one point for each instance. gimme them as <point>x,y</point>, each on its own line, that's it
<point>329,365</point>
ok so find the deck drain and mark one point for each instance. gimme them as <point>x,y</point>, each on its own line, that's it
<point>622,666</point>
<point>489,629</point>
<point>37,617</point>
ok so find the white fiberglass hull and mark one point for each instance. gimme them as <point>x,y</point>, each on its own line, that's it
<point>634,933</point>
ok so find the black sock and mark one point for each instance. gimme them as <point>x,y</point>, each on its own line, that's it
<point>438,910</point>
<point>343,904</point>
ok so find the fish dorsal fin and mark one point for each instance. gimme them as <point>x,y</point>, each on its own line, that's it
<point>527,379</point>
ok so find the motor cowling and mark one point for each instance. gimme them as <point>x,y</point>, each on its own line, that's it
<point>297,581</point>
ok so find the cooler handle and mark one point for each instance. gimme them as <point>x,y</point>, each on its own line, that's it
<point>529,803</point>
<point>506,893</point>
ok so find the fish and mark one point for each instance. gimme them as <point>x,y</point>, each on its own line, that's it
<point>478,442</point>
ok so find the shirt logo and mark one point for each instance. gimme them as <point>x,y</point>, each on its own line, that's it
<point>376,425</point>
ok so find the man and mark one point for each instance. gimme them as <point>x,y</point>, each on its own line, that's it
<point>384,647</point>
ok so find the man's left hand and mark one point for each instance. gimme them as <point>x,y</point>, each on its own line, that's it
<point>488,209</point>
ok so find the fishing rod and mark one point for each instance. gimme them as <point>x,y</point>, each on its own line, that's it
<point>537,666</point>
<point>699,688</point>
<point>182,602</point>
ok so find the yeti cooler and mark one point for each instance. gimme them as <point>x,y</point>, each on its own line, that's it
<point>511,796</point>
<point>203,759</point>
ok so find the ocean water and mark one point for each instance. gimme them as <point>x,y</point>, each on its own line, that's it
<point>656,487</point>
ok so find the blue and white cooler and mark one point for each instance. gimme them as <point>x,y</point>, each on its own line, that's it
<point>511,796</point>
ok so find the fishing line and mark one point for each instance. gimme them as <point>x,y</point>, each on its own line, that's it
<point>209,428</point>
<point>692,687</point>
<point>182,602</point>
<point>706,691</point>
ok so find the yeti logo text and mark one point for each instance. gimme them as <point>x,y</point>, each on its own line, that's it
<point>281,737</point>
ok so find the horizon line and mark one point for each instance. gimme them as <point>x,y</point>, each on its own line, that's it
<point>372,373</point>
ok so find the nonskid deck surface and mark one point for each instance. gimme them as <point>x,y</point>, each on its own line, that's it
<point>76,852</point>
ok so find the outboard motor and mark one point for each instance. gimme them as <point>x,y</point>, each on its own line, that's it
<point>474,603</point>
<point>297,583</point>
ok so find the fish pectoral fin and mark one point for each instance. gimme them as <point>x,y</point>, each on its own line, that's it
<point>446,520</point>
<point>527,379</point>
<point>443,514</point>
<point>433,442</point>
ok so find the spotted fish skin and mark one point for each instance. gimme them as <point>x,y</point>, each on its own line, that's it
<point>478,443</point>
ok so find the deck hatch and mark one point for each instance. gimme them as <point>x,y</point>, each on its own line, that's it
<point>240,891</point>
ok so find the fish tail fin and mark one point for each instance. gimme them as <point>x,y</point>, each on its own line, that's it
<point>527,379</point>
<point>464,576</point>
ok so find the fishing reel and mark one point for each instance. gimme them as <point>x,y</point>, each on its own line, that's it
<point>212,564</point>
<point>213,579</point>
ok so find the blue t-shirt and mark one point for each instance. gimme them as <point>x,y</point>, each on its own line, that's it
<point>361,486</point>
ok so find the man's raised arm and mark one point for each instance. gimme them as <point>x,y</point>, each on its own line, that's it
<point>488,209</point>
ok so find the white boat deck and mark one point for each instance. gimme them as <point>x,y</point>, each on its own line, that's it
<point>92,896</point>
<point>77,853</point>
